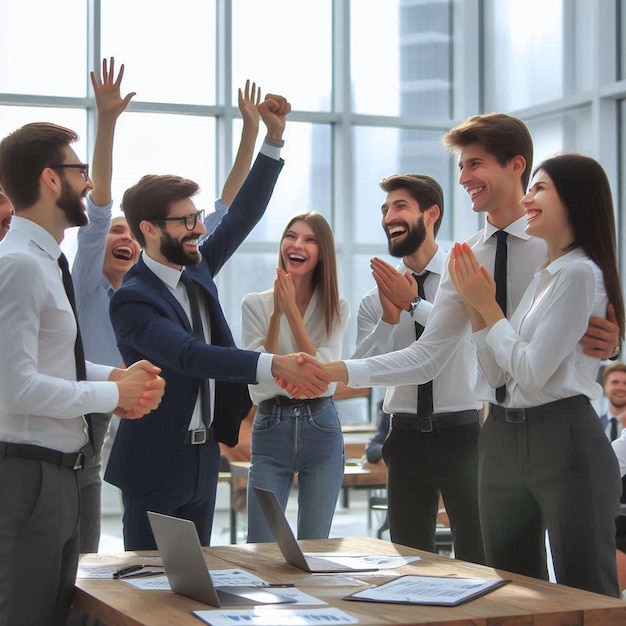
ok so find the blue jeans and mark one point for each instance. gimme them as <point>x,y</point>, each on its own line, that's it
<point>291,436</point>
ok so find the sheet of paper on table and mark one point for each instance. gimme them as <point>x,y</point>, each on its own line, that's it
<point>275,617</point>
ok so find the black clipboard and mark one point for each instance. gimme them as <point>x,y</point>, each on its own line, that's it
<point>428,590</point>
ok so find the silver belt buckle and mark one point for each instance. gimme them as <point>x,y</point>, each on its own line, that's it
<point>515,416</point>
<point>80,459</point>
<point>198,436</point>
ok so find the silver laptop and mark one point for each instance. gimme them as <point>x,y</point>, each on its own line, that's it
<point>287,542</point>
<point>186,569</point>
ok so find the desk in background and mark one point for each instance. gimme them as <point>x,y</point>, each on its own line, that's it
<point>365,476</point>
<point>523,602</point>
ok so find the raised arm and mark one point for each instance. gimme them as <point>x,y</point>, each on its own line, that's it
<point>249,99</point>
<point>87,268</point>
<point>110,106</point>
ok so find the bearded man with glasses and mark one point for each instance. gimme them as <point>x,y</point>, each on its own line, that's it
<point>168,307</point>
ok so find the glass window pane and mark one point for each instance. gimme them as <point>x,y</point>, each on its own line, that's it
<point>568,131</point>
<point>523,54</point>
<point>536,51</point>
<point>396,151</point>
<point>184,145</point>
<point>304,183</point>
<point>407,47</point>
<point>169,52</point>
<point>286,47</point>
<point>245,273</point>
<point>11,118</point>
<point>44,47</point>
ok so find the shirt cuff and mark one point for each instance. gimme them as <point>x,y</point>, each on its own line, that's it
<point>480,338</point>
<point>498,333</point>
<point>97,372</point>
<point>264,368</point>
<point>270,150</point>
<point>358,373</point>
<point>422,311</point>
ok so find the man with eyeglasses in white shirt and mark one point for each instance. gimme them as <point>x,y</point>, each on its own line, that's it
<point>45,384</point>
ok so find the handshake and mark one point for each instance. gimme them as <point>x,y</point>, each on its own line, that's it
<point>303,376</point>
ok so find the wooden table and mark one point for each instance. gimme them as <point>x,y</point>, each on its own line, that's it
<point>523,602</point>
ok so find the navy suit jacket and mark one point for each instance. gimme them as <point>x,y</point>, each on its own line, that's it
<point>149,323</point>
<point>604,420</point>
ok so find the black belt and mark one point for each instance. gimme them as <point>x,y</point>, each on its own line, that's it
<point>73,460</point>
<point>437,421</point>
<point>268,405</point>
<point>198,436</point>
<point>517,416</point>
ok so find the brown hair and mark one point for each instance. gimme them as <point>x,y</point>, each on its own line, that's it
<point>25,153</point>
<point>325,273</point>
<point>502,136</point>
<point>585,192</point>
<point>609,369</point>
<point>425,190</point>
<point>151,197</point>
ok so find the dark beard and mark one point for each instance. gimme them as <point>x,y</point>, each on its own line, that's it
<point>173,250</point>
<point>71,203</point>
<point>412,241</point>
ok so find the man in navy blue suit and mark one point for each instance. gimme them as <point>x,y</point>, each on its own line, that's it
<point>168,308</point>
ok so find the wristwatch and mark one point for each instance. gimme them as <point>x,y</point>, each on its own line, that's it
<point>414,304</point>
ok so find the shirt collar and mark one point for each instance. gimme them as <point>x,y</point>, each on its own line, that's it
<point>552,268</point>
<point>38,235</point>
<point>169,275</point>
<point>517,229</point>
<point>435,265</point>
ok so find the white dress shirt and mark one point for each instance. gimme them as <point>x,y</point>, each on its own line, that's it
<point>448,324</point>
<point>41,403</point>
<point>256,313</point>
<point>538,354</point>
<point>453,388</point>
<point>619,447</point>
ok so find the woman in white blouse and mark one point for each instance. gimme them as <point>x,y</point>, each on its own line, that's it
<point>544,460</point>
<point>302,313</point>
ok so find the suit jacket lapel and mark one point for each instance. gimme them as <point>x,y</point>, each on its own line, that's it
<point>156,283</point>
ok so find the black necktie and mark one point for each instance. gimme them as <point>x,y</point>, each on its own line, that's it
<point>79,353</point>
<point>613,434</point>
<point>198,331</point>
<point>424,391</point>
<point>499,275</point>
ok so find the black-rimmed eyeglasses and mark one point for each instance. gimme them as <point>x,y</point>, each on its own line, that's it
<point>83,167</point>
<point>190,220</point>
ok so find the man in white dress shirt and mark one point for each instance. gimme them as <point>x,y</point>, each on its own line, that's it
<point>495,154</point>
<point>431,449</point>
<point>42,404</point>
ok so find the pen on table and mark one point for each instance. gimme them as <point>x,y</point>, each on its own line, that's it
<point>278,585</point>
<point>124,572</point>
<point>141,574</point>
